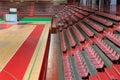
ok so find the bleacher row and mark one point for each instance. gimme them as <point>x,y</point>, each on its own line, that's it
<point>90,43</point>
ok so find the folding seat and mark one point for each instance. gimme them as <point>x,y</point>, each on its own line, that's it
<point>69,78</point>
<point>83,12</point>
<point>86,30</point>
<point>114,17</point>
<point>93,25</point>
<point>80,16</point>
<point>63,43</point>
<point>101,20</point>
<point>81,66</point>
<point>83,73</point>
<point>110,52</point>
<point>69,21</point>
<point>70,38</point>
<point>114,38</point>
<point>79,35</point>
<point>74,18</point>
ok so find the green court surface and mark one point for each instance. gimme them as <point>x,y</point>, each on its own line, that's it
<point>1,20</point>
<point>29,19</point>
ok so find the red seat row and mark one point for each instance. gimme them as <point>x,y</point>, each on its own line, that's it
<point>93,25</point>
<point>67,69</point>
<point>83,12</point>
<point>80,11</point>
<point>114,38</point>
<point>69,21</point>
<point>97,61</point>
<point>79,15</point>
<point>70,38</point>
<point>85,29</point>
<point>110,52</point>
<point>114,17</point>
<point>101,20</point>
<point>74,18</point>
<point>79,35</point>
<point>63,43</point>
<point>81,66</point>
<point>73,12</point>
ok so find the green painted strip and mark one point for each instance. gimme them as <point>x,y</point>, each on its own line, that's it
<point>1,20</point>
<point>35,19</point>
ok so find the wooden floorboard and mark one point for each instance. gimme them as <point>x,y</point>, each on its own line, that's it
<point>11,39</point>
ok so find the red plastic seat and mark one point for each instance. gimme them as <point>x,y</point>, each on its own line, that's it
<point>81,66</point>
<point>114,17</point>
<point>79,35</point>
<point>110,52</point>
<point>93,25</point>
<point>101,20</point>
<point>79,15</point>
<point>85,29</point>
<point>114,38</point>
<point>70,38</point>
<point>63,43</point>
<point>96,60</point>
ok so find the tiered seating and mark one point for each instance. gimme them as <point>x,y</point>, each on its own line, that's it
<point>101,20</point>
<point>97,61</point>
<point>110,52</point>
<point>81,23</point>
<point>110,16</point>
<point>79,35</point>
<point>114,38</point>
<point>85,29</point>
<point>81,66</point>
<point>70,38</point>
<point>63,44</point>
<point>93,25</point>
<point>67,69</point>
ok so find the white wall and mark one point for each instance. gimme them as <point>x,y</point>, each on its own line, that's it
<point>113,2</point>
<point>84,2</point>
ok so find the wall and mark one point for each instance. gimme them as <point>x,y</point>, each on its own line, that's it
<point>113,2</point>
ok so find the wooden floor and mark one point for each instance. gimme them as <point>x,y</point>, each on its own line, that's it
<point>12,38</point>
